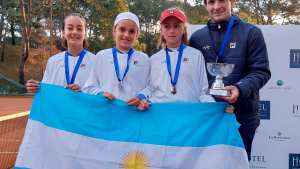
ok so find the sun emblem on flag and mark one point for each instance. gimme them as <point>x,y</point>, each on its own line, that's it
<point>135,160</point>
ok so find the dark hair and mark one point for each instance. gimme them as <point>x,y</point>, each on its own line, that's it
<point>64,41</point>
<point>205,2</point>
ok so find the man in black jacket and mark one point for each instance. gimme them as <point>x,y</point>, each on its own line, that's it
<point>243,45</point>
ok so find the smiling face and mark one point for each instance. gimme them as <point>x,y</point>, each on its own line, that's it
<point>219,10</point>
<point>172,31</point>
<point>74,31</point>
<point>125,33</point>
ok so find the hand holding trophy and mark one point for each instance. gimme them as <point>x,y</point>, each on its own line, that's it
<point>219,70</point>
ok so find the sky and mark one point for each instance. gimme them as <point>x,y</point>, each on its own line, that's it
<point>192,2</point>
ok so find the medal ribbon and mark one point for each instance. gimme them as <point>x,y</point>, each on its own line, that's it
<point>75,71</point>
<point>177,69</point>
<point>116,63</point>
<point>225,40</point>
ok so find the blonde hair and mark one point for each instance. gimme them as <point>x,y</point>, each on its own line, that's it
<point>64,42</point>
<point>162,41</point>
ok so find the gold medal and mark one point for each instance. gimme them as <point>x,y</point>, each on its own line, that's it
<point>173,90</point>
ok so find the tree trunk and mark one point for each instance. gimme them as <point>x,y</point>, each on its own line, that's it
<point>22,63</point>
<point>269,12</point>
<point>51,27</point>
<point>3,46</point>
<point>257,11</point>
<point>2,38</point>
<point>1,20</point>
<point>12,32</point>
<point>25,43</point>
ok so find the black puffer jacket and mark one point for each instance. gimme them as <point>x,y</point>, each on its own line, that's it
<point>247,50</point>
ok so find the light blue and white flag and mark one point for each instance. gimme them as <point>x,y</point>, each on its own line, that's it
<point>72,130</point>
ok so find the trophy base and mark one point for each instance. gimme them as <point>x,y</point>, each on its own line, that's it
<point>219,92</point>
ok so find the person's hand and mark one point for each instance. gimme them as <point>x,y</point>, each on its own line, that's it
<point>74,87</point>
<point>229,109</point>
<point>143,106</point>
<point>134,101</point>
<point>234,94</point>
<point>32,86</point>
<point>109,96</point>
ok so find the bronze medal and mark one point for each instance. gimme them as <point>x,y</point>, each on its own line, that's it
<point>173,90</point>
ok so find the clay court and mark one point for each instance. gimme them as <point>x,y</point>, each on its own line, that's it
<point>13,118</point>
<point>14,104</point>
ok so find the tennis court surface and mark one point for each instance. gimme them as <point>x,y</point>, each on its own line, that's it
<point>14,112</point>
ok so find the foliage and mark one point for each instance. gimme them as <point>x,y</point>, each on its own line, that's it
<point>45,20</point>
<point>271,11</point>
<point>149,12</point>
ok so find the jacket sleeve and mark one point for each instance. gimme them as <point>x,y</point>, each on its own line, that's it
<point>93,83</point>
<point>193,42</point>
<point>258,71</point>
<point>146,92</point>
<point>203,83</point>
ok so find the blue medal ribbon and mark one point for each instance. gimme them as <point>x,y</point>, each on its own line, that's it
<point>67,71</point>
<point>177,69</point>
<point>225,40</point>
<point>116,63</point>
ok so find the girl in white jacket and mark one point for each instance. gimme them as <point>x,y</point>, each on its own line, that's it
<point>121,72</point>
<point>70,68</point>
<point>178,72</point>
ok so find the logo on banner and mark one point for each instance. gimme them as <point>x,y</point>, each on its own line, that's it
<point>279,85</point>
<point>264,109</point>
<point>295,58</point>
<point>296,110</point>
<point>258,161</point>
<point>279,136</point>
<point>294,161</point>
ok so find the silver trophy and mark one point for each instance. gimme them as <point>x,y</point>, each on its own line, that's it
<point>219,70</point>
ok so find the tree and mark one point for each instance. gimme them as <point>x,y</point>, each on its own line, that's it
<point>12,18</point>
<point>271,11</point>
<point>25,38</point>
<point>199,2</point>
<point>148,13</point>
<point>101,17</point>
<point>2,35</point>
<point>99,14</point>
<point>290,12</point>
<point>196,14</point>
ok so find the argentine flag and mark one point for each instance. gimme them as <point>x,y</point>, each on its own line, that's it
<point>72,130</point>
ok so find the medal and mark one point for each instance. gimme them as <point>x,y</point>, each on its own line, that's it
<point>177,68</point>
<point>173,89</point>
<point>116,65</point>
